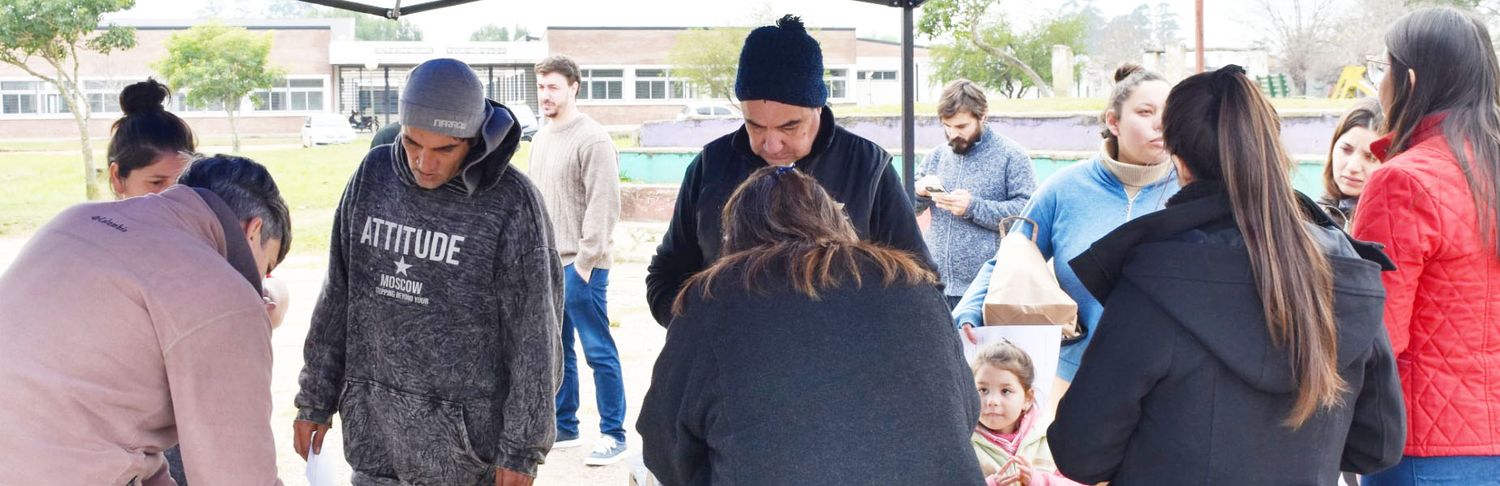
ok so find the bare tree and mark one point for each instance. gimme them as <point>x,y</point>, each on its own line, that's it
<point>1302,34</point>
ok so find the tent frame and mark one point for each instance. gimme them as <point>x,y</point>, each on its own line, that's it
<point>908,64</point>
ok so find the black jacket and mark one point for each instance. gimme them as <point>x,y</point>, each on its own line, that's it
<point>1182,384</point>
<point>855,171</point>
<point>865,386</point>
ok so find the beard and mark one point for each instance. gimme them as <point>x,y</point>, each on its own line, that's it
<point>962,145</point>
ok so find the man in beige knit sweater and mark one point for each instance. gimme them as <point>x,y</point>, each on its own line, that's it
<point>574,165</point>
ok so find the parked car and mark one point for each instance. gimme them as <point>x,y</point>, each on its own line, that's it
<point>701,111</point>
<point>326,128</point>
<point>525,117</point>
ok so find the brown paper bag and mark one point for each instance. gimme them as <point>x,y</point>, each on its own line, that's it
<point>1023,289</point>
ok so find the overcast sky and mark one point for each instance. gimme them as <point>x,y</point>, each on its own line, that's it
<point>453,24</point>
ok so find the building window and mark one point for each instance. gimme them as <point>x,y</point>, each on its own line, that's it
<point>180,104</point>
<point>104,96</point>
<point>658,84</point>
<point>878,75</point>
<point>838,83</point>
<point>290,95</point>
<point>376,100</point>
<point>19,97</point>
<point>602,84</point>
<point>650,84</point>
<point>55,103</point>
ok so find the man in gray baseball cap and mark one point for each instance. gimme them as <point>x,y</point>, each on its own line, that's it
<point>436,336</point>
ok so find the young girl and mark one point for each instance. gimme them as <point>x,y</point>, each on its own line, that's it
<point>1010,440</point>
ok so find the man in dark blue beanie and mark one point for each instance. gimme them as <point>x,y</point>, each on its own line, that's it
<point>783,96</point>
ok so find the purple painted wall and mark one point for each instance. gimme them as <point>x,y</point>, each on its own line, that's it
<point>1303,133</point>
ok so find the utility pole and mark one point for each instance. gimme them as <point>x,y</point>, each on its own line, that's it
<point>1199,34</point>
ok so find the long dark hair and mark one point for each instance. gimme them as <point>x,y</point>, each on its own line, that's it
<point>1456,73</point>
<point>780,217</point>
<point>1223,130</point>
<point>1365,114</point>
<point>148,130</point>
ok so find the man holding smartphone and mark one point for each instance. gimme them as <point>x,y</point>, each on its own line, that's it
<point>970,185</point>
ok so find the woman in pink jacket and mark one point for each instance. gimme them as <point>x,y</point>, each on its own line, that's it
<point>1434,207</point>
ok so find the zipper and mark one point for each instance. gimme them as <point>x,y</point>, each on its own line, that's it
<point>1130,204</point>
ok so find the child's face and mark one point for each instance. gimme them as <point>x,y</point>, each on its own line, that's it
<point>1002,399</point>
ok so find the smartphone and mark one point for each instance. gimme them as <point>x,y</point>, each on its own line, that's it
<point>934,189</point>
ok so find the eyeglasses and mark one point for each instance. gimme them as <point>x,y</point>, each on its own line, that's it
<point>1376,68</point>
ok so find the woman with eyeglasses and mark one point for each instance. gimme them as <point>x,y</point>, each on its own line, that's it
<point>1434,205</point>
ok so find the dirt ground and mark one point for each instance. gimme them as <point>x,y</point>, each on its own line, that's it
<point>638,337</point>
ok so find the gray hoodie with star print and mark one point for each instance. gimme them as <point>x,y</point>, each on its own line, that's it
<point>436,337</point>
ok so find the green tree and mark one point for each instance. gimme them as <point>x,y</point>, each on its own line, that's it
<point>366,27</point>
<point>1121,39</point>
<point>217,65</point>
<point>709,59</point>
<point>53,32</point>
<point>1166,30</point>
<point>995,55</point>
<point>490,33</point>
<point>1012,54</point>
<point>371,28</point>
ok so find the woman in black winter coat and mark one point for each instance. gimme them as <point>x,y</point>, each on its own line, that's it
<point>1241,340</point>
<point>806,356</point>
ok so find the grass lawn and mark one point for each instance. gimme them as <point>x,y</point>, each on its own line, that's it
<point>311,180</point>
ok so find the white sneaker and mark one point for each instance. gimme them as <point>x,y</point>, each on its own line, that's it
<point>607,451</point>
<point>564,443</point>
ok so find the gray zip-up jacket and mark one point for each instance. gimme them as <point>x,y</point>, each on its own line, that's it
<point>437,333</point>
<point>999,175</point>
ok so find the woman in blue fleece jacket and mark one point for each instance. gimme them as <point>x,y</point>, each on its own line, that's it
<point>1132,176</point>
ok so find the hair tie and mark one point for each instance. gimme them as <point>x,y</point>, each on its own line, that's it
<point>1225,77</point>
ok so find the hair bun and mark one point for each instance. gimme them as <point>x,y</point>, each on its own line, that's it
<point>143,97</point>
<point>1126,69</point>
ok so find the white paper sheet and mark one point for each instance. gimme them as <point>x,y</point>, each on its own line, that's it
<point>320,470</point>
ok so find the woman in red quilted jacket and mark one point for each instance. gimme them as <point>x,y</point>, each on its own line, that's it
<point>1434,205</point>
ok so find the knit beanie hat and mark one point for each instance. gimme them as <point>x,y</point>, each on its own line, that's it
<point>782,63</point>
<point>444,96</point>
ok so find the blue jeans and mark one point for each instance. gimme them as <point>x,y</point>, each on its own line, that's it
<point>584,313</point>
<point>1439,471</point>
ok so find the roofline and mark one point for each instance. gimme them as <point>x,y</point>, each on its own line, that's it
<point>889,43</point>
<point>578,27</point>
<point>252,24</point>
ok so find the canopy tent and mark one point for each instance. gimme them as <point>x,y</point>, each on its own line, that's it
<point>393,13</point>
<point>908,63</point>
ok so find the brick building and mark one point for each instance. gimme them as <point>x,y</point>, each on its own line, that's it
<point>32,108</point>
<point>627,77</point>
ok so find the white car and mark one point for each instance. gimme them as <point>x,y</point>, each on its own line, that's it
<point>701,111</point>
<point>525,117</point>
<point>326,128</point>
